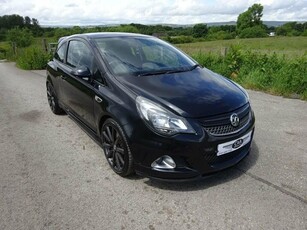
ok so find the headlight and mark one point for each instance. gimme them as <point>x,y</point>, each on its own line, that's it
<point>160,119</point>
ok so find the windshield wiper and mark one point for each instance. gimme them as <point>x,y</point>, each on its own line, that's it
<point>194,66</point>
<point>155,73</point>
<point>168,71</point>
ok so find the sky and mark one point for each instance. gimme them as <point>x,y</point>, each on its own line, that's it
<point>99,12</point>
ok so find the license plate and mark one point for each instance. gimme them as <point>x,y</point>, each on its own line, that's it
<point>233,145</point>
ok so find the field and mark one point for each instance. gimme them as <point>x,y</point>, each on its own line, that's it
<point>289,46</point>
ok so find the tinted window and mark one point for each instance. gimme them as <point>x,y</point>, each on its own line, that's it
<point>79,54</point>
<point>141,55</point>
<point>60,53</point>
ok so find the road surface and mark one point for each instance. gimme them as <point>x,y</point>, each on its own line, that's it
<point>54,176</point>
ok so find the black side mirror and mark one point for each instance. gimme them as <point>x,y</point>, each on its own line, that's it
<point>82,72</point>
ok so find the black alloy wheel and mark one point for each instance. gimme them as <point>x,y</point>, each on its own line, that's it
<point>52,100</point>
<point>116,148</point>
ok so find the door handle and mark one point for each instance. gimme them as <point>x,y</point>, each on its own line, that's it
<point>98,99</point>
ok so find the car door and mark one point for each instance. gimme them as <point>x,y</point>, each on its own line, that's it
<point>77,93</point>
<point>56,69</point>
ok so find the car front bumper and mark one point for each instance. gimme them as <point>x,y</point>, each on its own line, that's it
<point>195,155</point>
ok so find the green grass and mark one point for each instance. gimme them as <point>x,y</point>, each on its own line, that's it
<point>275,65</point>
<point>288,46</point>
<point>5,48</point>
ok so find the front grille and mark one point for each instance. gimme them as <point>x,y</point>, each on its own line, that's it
<point>221,125</point>
<point>228,129</point>
<point>212,158</point>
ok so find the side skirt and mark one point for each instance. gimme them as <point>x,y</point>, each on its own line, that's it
<point>91,133</point>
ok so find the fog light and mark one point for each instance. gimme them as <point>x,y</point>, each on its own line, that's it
<point>164,162</point>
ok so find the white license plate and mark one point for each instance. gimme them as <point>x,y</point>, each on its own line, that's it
<point>233,145</point>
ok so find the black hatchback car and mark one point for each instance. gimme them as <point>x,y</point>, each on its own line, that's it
<point>154,110</point>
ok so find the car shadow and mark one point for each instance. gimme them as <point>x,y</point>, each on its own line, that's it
<point>212,180</point>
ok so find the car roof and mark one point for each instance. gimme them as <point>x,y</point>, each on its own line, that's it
<point>103,34</point>
<point>89,36</point>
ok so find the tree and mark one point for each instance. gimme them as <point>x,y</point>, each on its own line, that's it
<point>76,30</point>
<point>22,37</point>
<point>250,18</point>
<point>124,28</point>
<point>27,21</point>
<point>290,29</point>
<point>35,28</point>
<point>35,22</point>
<point>11,21</point>
<point>200,30</point>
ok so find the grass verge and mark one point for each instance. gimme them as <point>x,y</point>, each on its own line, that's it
<point>270,73</point>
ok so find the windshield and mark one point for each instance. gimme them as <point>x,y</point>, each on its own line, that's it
<point>142,56</point>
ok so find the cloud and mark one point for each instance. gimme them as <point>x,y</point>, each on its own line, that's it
<point>71,5</point>
<point>84,12</point>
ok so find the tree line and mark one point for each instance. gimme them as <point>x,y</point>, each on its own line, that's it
<point>8,22</point>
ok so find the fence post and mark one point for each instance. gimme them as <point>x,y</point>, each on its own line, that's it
<point>14,48</point>
<point>45,47</point>
<point>224,51</point>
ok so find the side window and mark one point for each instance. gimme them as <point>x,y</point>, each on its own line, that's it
<point>79,54</point>
<point>60,53</point>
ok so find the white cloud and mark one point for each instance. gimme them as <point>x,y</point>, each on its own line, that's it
<point>82,12</point>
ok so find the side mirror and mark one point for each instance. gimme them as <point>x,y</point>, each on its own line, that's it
<point>82,72</point>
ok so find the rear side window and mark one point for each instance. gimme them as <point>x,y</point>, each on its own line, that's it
<point>79,54</point>
<point>60,53</point>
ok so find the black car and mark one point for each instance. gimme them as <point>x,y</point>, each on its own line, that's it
<point>154,110</point>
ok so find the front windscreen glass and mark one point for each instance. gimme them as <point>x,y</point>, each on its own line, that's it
<point>141,56</point>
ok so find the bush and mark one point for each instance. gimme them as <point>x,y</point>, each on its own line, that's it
<point>123,28</point>
<point>33,58</point>
<point>304,33</point>
<point>253,32</point>
<point>200,30</point>
<point>221,35</point>
<point>4,50</point>
<point>22,37</point>
<point>2,55</point>
<point>213,62</point>
<point>270,73</point>
<point>180,39</point>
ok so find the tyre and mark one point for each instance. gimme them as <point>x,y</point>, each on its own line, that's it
<point>116,148</point>
<point>53,100</point>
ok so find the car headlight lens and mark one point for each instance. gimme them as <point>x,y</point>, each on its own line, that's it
<point>162,120</point>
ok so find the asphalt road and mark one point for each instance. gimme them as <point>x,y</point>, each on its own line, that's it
<point>54,176</point>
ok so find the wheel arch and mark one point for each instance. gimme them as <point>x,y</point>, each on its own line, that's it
<point>48,80</point>
<point>102,120</point>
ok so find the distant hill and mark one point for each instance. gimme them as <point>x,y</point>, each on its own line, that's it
<point>268,23</point>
